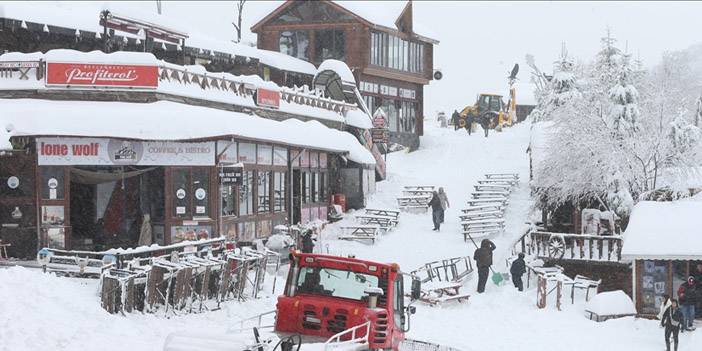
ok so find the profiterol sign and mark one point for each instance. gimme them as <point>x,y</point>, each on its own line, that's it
<point>101,75</point>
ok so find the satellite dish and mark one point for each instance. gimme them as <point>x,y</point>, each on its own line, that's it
<point>515,70</point>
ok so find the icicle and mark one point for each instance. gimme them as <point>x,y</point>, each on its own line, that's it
<point>163,46</point>
<point>138,41</point>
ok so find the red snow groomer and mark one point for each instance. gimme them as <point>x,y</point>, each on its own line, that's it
<point>346,299</point>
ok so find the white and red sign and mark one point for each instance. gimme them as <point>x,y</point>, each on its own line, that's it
<point>101,151</point>
<point>101,75</point>
<point>267,98</point>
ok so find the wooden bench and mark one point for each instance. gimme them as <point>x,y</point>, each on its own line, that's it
<point>384,222</point>
<point>413,201</point>
<point>360,232</point>
<point>481,215</point>
<point>514,176</point>
<point>382,212</point>
<point>485,207</point>
<point>510,182</point>
<point>420,187</point>
<point>489,194</point>
<point>417,192</point>
<point>490,187</point>
<point>495,200</point>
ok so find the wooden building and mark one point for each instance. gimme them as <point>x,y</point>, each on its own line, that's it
<point>664,242</point>
<point>187,154</point>
<point>391,63</point>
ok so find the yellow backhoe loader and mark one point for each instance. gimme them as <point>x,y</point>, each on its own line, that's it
<point>491,109</point>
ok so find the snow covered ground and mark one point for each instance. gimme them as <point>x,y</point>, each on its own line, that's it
<point>40,311</point>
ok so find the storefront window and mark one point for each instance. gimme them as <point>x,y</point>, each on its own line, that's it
<point>322,186</point>
<point>329,44</point>
<point>263,229</point>
<point>265,155</point>
<point>246,195</point>
<point>680,274</point>
<point>393,52</point>
<point>229,201</point>
<point>305,159</point>
<point>263,191</point>
<point>280,156</point>
<point>52,183</point>
<point>201,190</point>
<point>279,191</point>
<point>314,160</point>
<point>295,43</point>
<point>181,192</point>
<point>247,153</point>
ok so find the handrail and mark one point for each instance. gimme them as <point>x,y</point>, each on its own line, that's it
<point>259,321</point>
<point>578,236</point>
<point>335,340</point>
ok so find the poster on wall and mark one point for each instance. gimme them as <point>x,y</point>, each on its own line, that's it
<point>190,233</point>
<point>115,152</point>
<point>654,281</point>
<point>52,215</point>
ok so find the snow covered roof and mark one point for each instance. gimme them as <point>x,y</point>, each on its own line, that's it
<point>359,119</point>
<point>339,68</point>
<point>664,230</point>
<point>285,62</point>
<point>391,11</point>
<point>611,303</point>
<point>166,120</point>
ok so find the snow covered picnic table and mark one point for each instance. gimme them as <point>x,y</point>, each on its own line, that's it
<point>488,194</point>
<point>413,201</point>
<point>417,192</point>
<point>610,304</point>
<point>483,207</point>
<point>492,187</point>
<point>385,222</point>
<point>511,182</point>
<point>360,232</point>
<point>502,176</point>
<point>383,212</point>
<point>501,201</point>
<point>474,215</point>
<point>435,293</point>
<point>420,187</point>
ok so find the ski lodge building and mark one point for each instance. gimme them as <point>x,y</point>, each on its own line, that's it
<point>391,63</point>
<point>192,143</point>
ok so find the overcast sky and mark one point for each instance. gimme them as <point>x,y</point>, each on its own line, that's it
<point>480,41</point>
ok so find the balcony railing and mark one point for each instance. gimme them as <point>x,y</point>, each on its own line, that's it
<point>569,246</point>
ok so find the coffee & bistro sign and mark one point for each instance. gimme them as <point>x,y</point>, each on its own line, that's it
<point>101,75</point>
<point>114,152</point>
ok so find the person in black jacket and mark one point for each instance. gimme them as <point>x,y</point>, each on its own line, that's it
<point>687,293</point>
<point>483,259</point>
<point>307,242</point>
<point>470,119</point>
<point>455,117</point>
<point>672,321</point>
<point>437,210</point>
<point>517,270</point>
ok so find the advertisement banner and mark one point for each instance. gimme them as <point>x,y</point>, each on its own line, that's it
<point>114,152</point>
<point>267,98</point>
<point>101,75</point>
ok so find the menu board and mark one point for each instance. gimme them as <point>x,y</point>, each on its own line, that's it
<point>654,281</point>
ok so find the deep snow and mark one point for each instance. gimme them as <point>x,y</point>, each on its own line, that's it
<point>44,312</point>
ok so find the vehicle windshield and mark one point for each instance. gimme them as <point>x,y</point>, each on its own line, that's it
<point>334,282</point>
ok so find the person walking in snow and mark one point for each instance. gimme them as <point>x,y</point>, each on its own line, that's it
<point>672,322</point>
<point>664,306</point>
<point>307,242</point>
<point>444,203</point>
<point>470,119</point>
<point>483,259</point>
<point>455,117</point>
<point>687,293</point>
<point>437,212</point>
<point>517,270</point>
<point>485,123</point>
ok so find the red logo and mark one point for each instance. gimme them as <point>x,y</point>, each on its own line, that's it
<point>105,75</point>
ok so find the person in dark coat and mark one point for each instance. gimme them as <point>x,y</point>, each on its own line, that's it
<point>687,293</point>
<point>672,321</point>
<point>517,270</point>
<point>485,123</point>
<point>455,117</point>
<point>470,119</point>
<point>307,242</point>
<point>437,211</point>
<point>483,259</point>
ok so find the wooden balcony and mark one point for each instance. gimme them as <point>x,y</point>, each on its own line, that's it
<point>567,246</point>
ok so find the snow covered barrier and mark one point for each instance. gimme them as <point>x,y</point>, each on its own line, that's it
<point>608,305</point>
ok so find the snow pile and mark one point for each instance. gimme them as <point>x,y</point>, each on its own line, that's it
<point>611,303</point>
<point>664,230</point>
<point>145,121</point>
